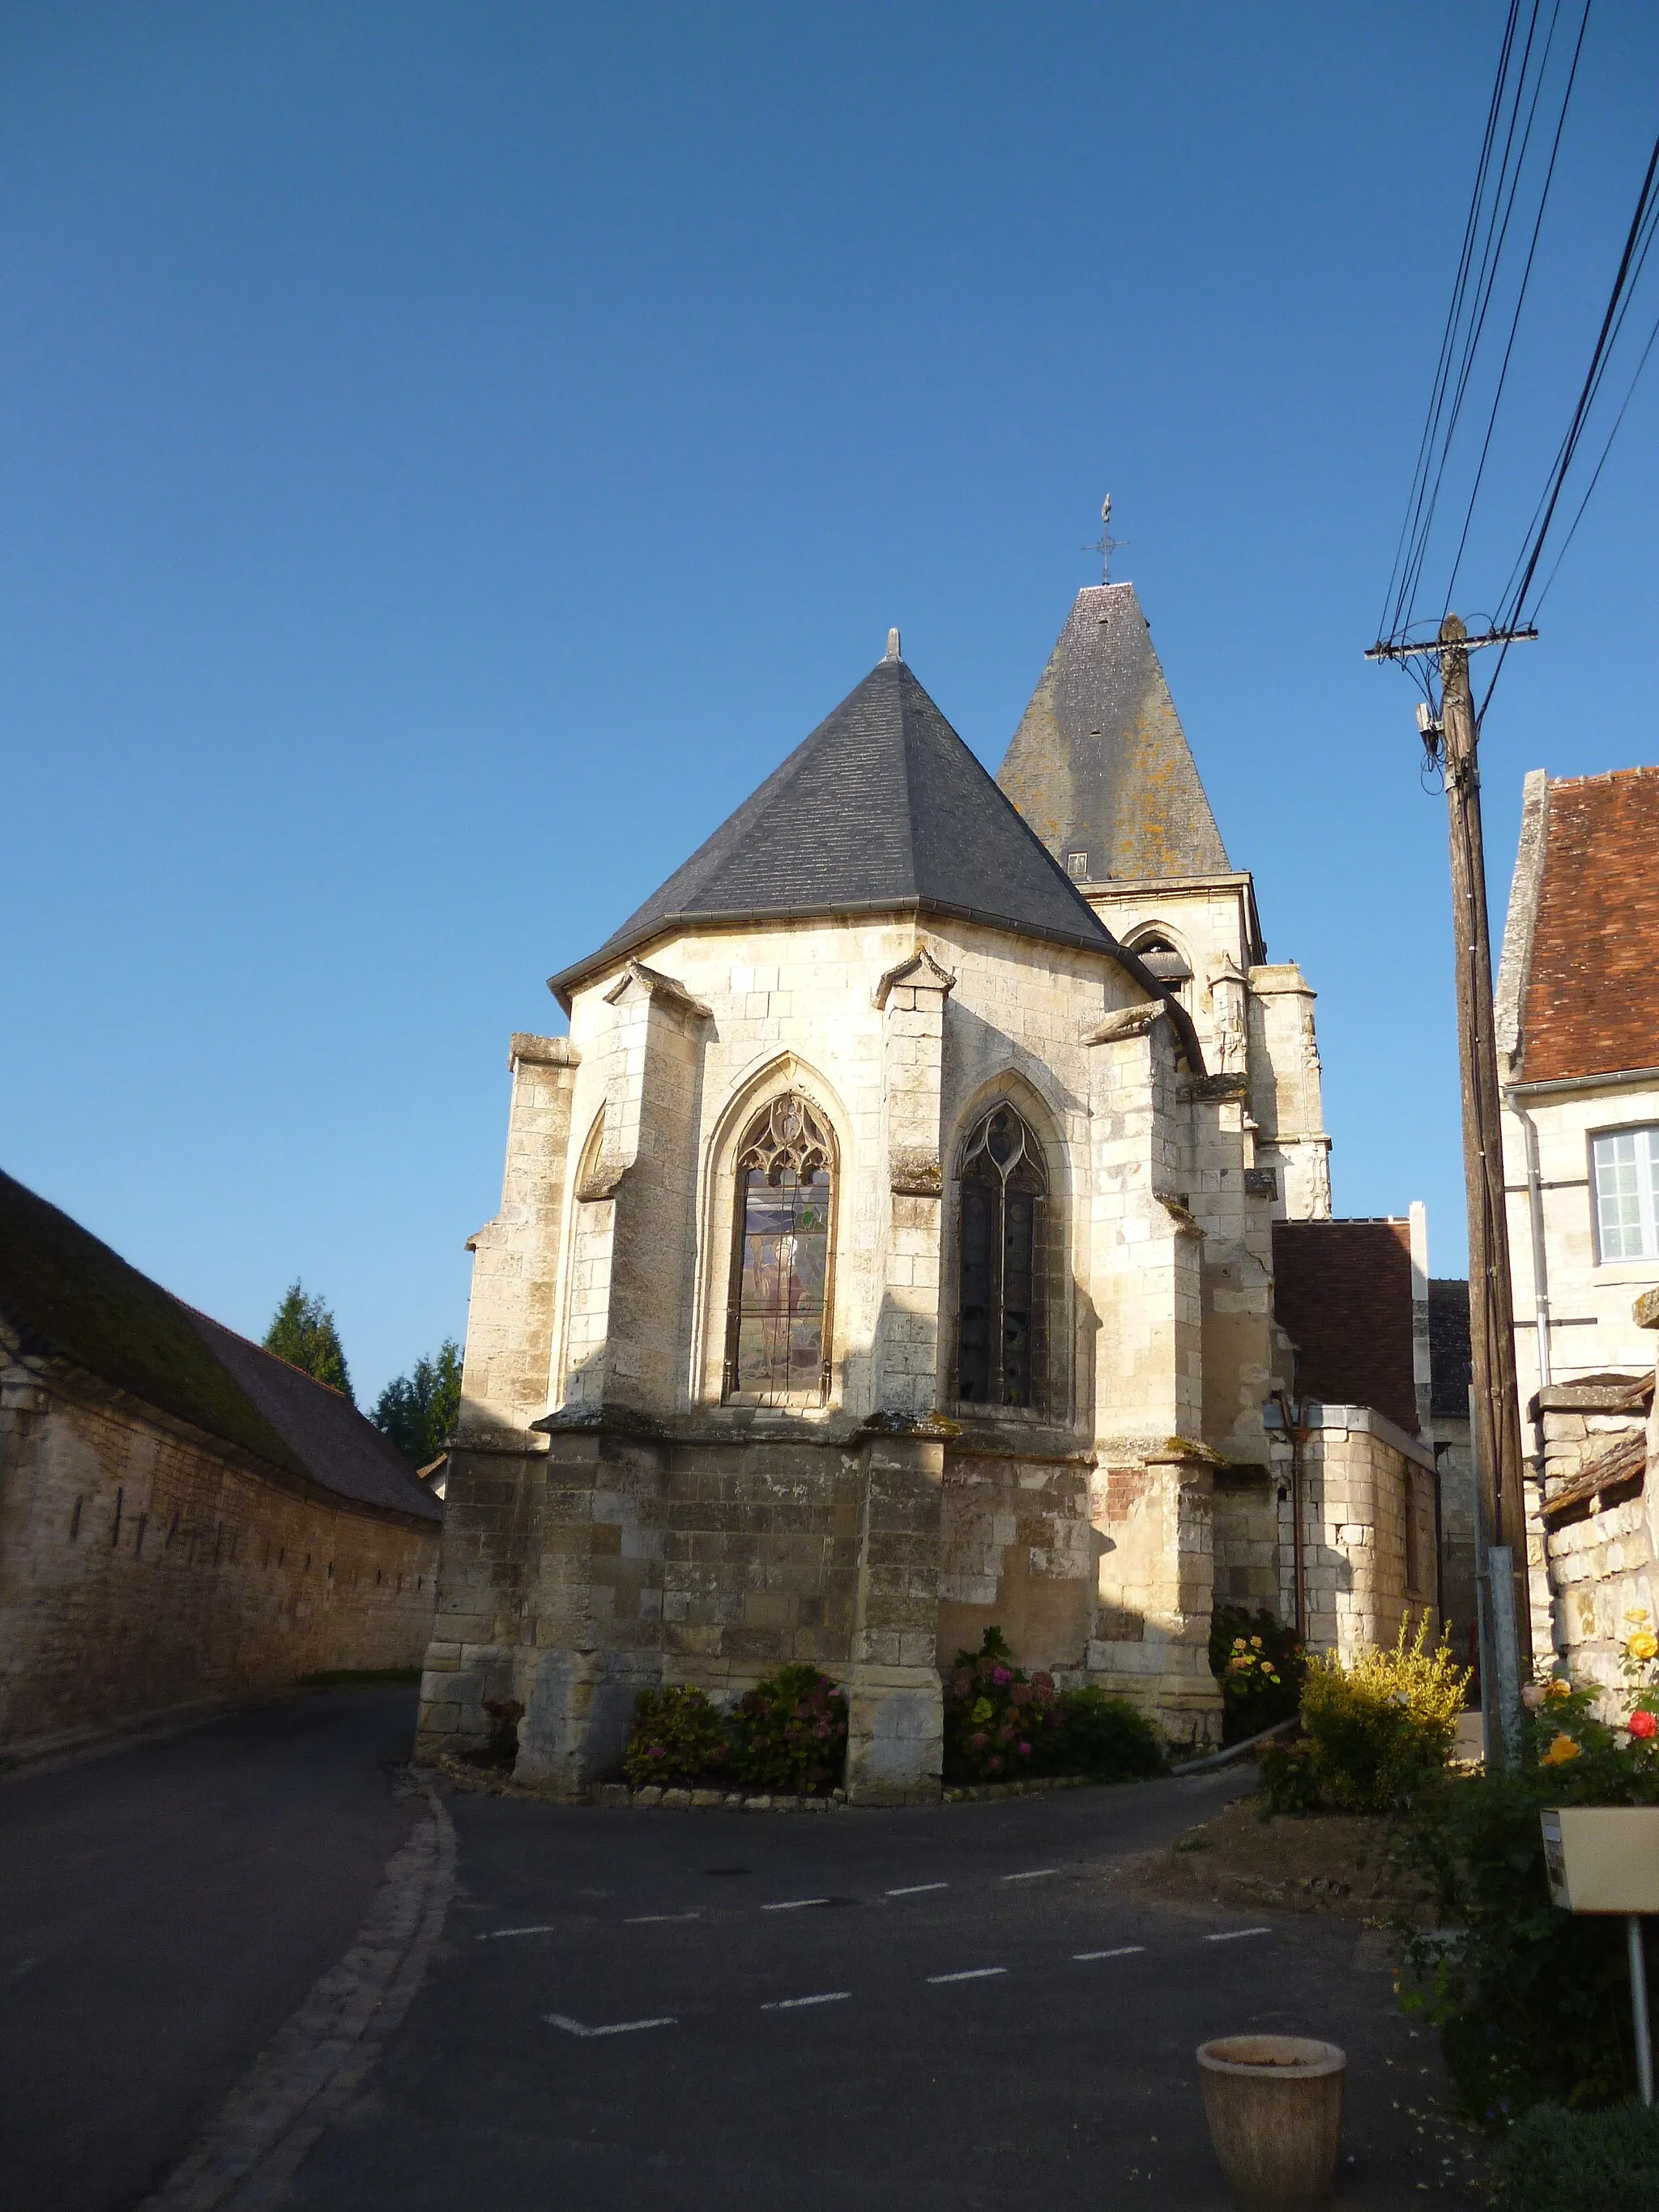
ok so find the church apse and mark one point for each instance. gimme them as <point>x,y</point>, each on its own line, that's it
<point>879,1261</point>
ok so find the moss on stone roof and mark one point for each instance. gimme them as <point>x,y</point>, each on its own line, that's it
<point>69,1295</point>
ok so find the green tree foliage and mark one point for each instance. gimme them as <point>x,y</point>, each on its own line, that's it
<point>303,1333</point>
<point>418,1411</point>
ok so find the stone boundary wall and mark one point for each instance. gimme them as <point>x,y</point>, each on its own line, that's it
<point>143,1566</point>
<point>1596,1542</point>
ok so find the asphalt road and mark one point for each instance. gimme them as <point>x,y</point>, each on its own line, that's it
<point>673,2011</point>
<point>665,2012</point>
<point>162,1911</point>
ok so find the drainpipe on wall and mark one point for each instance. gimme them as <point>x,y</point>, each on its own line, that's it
<point>1540,1272</point>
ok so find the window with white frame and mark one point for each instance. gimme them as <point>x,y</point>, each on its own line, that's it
<point>1626,1167</point>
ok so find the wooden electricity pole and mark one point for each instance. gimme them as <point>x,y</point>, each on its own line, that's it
<point>1494,1405</point>
<point>1491,1310</point>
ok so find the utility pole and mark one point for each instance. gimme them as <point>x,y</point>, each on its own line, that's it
<point>1494,1405</point>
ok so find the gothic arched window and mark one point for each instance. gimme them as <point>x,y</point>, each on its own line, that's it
<point>1001,1182</point>
<point>777,1332</point>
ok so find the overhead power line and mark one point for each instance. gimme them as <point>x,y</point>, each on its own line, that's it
<point>1532,93</point>
<point>1638,240</point>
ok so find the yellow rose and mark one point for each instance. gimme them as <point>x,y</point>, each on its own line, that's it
<point>1644,1644</point>
<point>1561,1752</point>
<point>1639,1615</point>
<point>1557,1690</point>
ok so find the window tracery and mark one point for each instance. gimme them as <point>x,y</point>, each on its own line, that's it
<point>1001,1186</point>
<point>777,1339</point>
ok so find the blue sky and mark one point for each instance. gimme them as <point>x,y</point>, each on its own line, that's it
<point>449,454</point>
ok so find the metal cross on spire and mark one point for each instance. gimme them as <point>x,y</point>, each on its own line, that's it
<point>1106,544</point>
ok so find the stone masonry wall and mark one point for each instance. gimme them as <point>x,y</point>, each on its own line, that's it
<point>1017,1552</point>
<point>1601,1568</point>
<point>1602,1548</point>
<point>1368,1531</point>
<point>142,1567</point>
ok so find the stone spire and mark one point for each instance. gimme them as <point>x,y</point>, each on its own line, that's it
<point>1100,765</point>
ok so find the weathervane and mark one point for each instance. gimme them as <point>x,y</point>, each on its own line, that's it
<point>1106,544</point>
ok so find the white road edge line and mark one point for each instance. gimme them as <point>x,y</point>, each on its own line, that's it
<point>969,1974</point>
<point>794,1904</point>
<point>1036,1874</point>
<point>1232,1935</point>
<point>917,1888</point>
<point>794,2004</point>
<point>493,1934</point>
<point>1123,1951</point>
<point>654,1919</point>
<point>618,2027</point>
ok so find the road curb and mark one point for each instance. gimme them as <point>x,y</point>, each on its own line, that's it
<point>320,2057</point>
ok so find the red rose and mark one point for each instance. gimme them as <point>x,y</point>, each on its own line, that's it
<point>1643,1725</point>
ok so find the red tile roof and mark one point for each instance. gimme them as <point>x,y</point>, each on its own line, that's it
<point>1342,1293</point>
<point>1591,1002</point>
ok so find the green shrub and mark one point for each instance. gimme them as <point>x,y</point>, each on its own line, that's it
<point>679,1739</point>
<point>1532,2004</point>
<point>1381,1721</point>
<point>1258,1664</point>
<point>791,1733</point>
<point>1106,1738</point>
<point>1553,2160</point>
<point>1001,1725</point>
<point>999,1722</point>
<point>1290,1779</point>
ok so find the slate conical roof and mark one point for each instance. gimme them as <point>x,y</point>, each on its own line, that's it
<point>1100,763</point>
<point>882,810</point>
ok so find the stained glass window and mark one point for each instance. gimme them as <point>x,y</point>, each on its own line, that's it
<point>1001,1186</point>
<point>777,1337</point>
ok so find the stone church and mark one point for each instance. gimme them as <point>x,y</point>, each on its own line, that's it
<point>888,1249</point>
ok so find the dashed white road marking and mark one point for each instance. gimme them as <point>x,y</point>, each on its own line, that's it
<point>1036,1874</point>
<point>794,2004</point>
<point>917,1888</point>
<point>1123,1951</point>
<point>656,1919</point>
<point>1232,1935</point>
<point>493,1934</point>
<point>617,2027</point>
<point>969,1974</point>
<point>795,1904</point>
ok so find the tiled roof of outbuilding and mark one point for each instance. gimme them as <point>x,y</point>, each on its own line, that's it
<point>882,809</point>
<point>70,1296</point>
<point>1342,1293</point>
<point>1590,1002</point>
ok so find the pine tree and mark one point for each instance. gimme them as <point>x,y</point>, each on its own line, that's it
<point>418,1411</point>
<point>303,1333</point>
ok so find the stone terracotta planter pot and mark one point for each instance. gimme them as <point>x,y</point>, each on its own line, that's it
<point>1275,2106</point>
